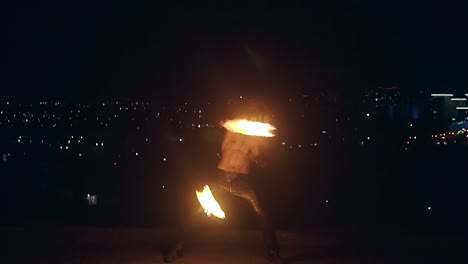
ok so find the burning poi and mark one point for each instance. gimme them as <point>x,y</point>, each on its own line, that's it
<point>249,128</point>
<point>209,203</point>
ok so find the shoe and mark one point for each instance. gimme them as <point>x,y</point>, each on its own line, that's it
<point>274,257</point>
<point>175,253</point>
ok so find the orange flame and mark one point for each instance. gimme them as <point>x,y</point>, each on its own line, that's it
<point>209,203</point>
<point>250,128</point>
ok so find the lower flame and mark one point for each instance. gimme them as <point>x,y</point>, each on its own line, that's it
<point>209,203</point>
<point>250,128</point>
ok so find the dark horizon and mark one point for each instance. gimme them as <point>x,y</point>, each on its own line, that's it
<point>159,50</point>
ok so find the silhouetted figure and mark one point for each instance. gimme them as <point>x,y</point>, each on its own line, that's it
<point>239,153</point>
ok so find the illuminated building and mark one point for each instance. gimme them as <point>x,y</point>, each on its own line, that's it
<point>448,107</point>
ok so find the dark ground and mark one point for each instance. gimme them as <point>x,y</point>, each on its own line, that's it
<point>218,244</point>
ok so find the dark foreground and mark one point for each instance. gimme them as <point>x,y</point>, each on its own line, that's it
<point>220,245</point>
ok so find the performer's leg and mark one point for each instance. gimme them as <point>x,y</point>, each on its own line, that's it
<point>179,235</point>
<point>244,190</point>
<point>236,185</point>
<point>182,232</point>
<point>177,241</point>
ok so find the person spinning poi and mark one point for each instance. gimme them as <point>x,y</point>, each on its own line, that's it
<point>240,150</point>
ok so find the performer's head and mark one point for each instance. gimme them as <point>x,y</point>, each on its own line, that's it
<point>255,104</point>
<point>255,108</point>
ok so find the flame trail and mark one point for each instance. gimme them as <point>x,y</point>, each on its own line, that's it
<point>250,128</point>
<point>209,203</point>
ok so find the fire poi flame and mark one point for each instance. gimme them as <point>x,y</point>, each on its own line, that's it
<point>209,203</point>
<point>250,128</point>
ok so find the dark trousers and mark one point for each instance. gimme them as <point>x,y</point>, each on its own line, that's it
<point>238,185</point>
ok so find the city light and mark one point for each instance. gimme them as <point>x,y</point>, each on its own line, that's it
<point>330,131</point>
<point>441,95</point>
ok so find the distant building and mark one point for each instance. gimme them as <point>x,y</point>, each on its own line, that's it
<point>448,108</point>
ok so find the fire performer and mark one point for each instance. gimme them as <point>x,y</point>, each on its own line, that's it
<point>239,154</point>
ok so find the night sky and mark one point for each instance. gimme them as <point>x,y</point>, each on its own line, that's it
<point>154,49</point>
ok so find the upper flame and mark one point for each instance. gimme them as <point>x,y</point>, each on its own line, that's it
<point>209,203</point>
<point>250,128</point>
